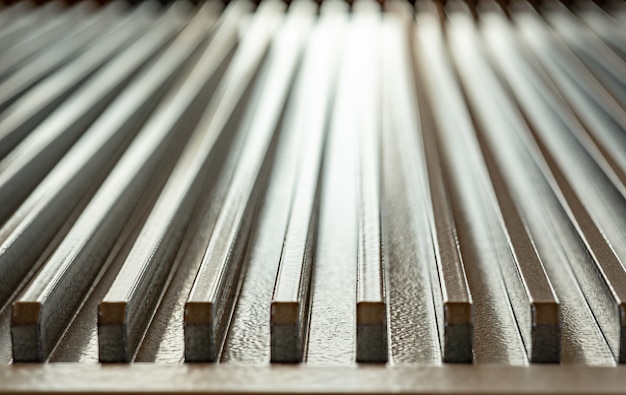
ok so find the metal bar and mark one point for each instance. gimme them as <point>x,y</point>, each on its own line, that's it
<point>13,12</point>
<point>151,258</point>
<point>41,36</point>
<point>499,119</point>
<point>455,316</point>
<point>26,112</point>
<point>603,117</point>
<point>33,158</point>
<point>44,310</point>
<point>586,194</point>
<point>45,35</point>
<point>290,308</point>
<point>212,298</point>
<point>414,315</point>
<point>23,20</point>
<point>371,306</point>
<point>120,334</point>
<point>487,231</point>
<point>55,57</point>
<point>605,64</point>
<point>532,297</point>
<point>333,288</point>
<point>35,222</point>
<point>602,24</point>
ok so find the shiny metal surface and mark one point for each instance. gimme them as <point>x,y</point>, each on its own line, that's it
<point>32,158</point>
<point>455,308</point>
<point>78,260</point>
<point>36,40</point>
<point>595,53</point>
<point>49,61</point>
<point>543,108</point>
<point>126,309</point>
<point>371,310</point>
<point>531,194</point>
<point>290,309</point>
<point>435,189</point>
<point>211,300</point>
<point>534,302</point>
<point>31,108</point>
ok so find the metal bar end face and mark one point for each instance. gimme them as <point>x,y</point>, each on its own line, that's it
<point>199,334</point>
<point>458,332</point>
<point>371,332</point>
<point>26,332</point>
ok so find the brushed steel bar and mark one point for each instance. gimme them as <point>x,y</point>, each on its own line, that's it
<point>46,34</point>
<point>212,299</point>
<point>80,257</point>
<point>128,307</point>
<point>499,120</point>
<point>290,307</point>
<point>333,296</point>
<point>24,20</point>
<point>602,116</point>
<point>262,258</point>
<point>532,297</point>
<point>409,256</point>
<point>34,157</point>
<point>452,295</point>
<point>587,195</point>
<point>120,334</point>
<point>606,65</point>
<point>13,12</point>
<point>485,238</point>
<point>54,58</point>
<point>248,339</point>
<point>35,222</point>
<point>602,24</point>
<point>371,306</point>
<point>27,111</point>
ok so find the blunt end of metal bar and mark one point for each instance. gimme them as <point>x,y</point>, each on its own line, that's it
<point>199,336</point>
<point>458,313</point>
<point>286,342</point>
<point>112,344</point>
<point>371,332</point>
<point>111,313</point>
<point>285,313</point>
<point>26,332</point>
<point>458,333</point>
<point>370,313</point>
<point>546,333</point>
<point>26,313</point>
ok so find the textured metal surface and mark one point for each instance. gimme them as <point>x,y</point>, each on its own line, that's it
<point>325,184</point>
<point>213,296</point>
<point>291,298</point>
